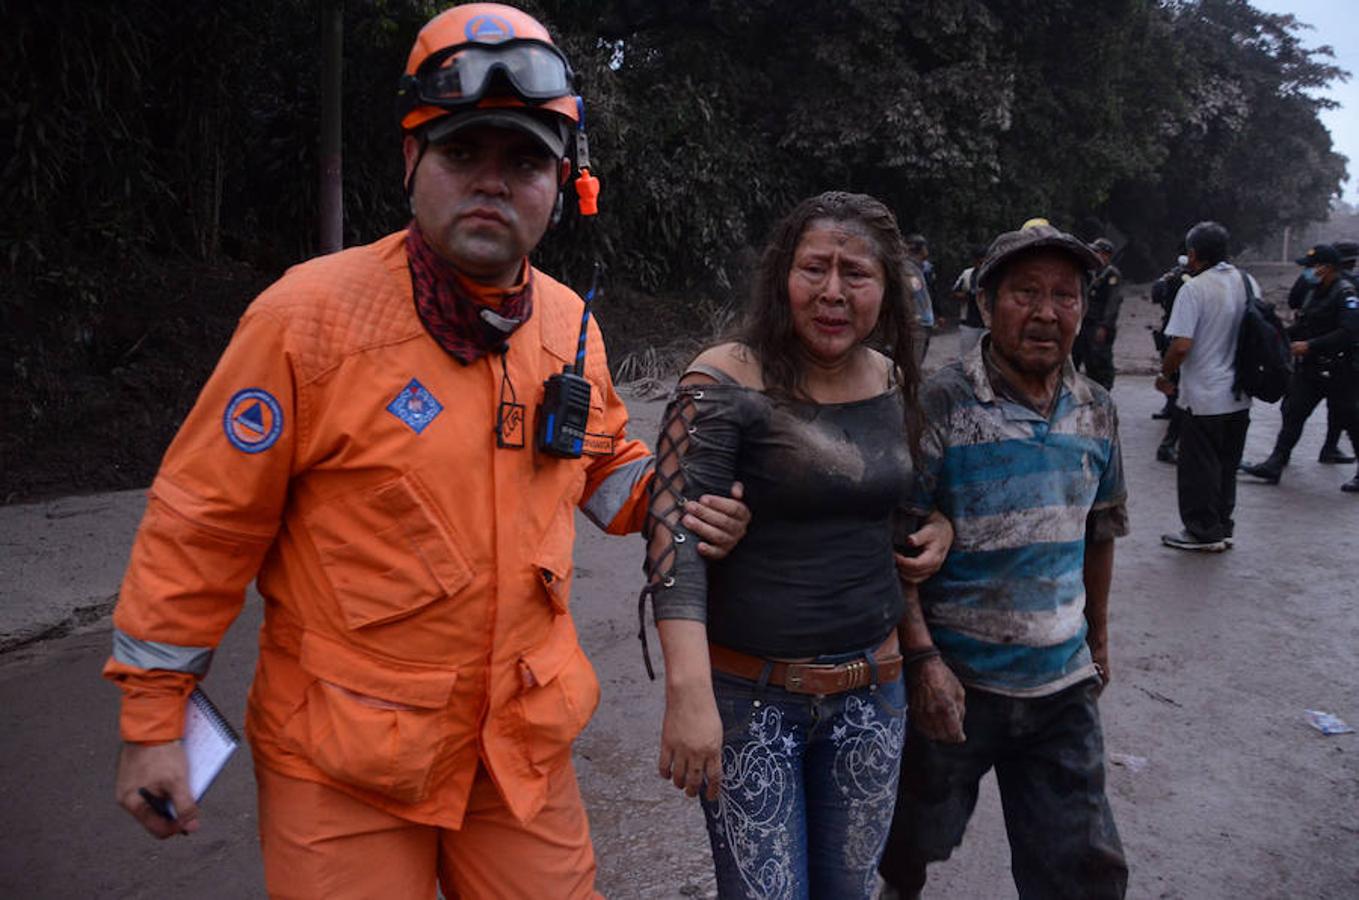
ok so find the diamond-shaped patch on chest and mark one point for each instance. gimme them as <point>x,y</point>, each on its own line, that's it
<point>415,406</point>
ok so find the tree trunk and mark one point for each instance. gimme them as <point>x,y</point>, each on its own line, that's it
<point>332,185</point>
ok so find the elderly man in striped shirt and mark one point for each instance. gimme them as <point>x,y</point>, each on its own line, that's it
<point>1007,649</point>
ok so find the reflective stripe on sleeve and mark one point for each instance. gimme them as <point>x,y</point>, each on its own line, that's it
<point>615,491</point>
<point>132,651</point>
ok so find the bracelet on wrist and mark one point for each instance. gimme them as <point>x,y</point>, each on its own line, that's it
<point>918,656</point>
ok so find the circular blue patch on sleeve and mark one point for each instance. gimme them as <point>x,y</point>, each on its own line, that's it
<point>253,420</point>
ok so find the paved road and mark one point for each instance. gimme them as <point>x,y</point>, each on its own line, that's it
<point>1215,659</point>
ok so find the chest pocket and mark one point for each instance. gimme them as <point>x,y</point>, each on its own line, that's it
<point>386,554</point>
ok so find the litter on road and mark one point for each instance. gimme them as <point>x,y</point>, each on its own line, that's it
<point>1327,723</point>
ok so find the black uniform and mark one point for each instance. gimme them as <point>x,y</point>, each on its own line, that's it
<point>1164,290</point>
<point>1352,486</point>
<point>1329,323</point>
<point>1105,298</point>
<point>1298,293</point>
<point>1163,293</point>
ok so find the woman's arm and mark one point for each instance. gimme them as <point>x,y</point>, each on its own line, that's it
<point>701,429</point>
<point>691,733</point>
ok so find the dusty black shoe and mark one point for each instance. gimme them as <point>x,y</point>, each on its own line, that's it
<point>1333,455</point>
<point>1183,540</point>
<point>1351,486</point>
<point>1263,471</point>
<point>1166,453</point>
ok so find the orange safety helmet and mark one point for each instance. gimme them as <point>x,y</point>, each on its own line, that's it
<point>484,56</point>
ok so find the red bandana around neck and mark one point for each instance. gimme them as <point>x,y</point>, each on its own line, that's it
<point>454,310</point>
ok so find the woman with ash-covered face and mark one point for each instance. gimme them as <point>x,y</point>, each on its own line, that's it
<point>785,706</point>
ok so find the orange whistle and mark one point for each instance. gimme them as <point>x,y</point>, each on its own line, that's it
<point>587,189</point>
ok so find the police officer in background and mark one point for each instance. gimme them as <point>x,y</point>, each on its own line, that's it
<point>1349,254</point>
<point>1323,340</point>
<point>1330,450</point>
<point>1163,293</point>
<point>1094,348</point>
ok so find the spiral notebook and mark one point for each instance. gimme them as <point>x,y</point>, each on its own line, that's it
<point>209,741</point>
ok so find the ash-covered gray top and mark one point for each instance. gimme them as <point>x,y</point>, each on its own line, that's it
<point>814,573</point>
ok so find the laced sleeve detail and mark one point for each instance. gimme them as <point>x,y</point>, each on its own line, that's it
<point>696,454</point>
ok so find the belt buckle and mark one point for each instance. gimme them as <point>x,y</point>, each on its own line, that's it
<point>795,676</point>
<point>850,675</point>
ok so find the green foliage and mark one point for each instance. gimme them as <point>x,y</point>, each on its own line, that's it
<point>190,128</point>
<point>140,136</point>
<point>712,117</point>
<point>1248,149</point>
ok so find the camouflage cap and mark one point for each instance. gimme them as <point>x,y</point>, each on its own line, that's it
<point>1102,245</point>
<point>1034,237</point>
<point>1348,250</point>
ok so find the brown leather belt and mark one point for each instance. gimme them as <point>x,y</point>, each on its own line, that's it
<point>811,678</point>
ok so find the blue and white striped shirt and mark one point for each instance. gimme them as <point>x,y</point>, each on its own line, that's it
<point>1007,610</point>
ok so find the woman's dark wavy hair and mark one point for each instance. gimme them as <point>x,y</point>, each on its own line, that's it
<point>767,328</point>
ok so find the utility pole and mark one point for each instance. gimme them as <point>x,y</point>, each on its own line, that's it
<point>332,184</point>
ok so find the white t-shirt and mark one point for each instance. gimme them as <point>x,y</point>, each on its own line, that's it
<point>1208,309</point>
<point>963,282</point>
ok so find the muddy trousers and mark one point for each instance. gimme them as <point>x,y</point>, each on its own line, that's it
<point>321,843</point>
<point>1205,477</point>
<point>1048,753</point>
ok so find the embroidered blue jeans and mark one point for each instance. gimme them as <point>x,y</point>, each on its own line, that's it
<point>808,784</point>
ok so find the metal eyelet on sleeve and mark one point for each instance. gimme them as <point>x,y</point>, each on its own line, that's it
<point>667,501</point>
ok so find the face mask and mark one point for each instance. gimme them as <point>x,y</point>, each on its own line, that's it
<point>1310,275</point>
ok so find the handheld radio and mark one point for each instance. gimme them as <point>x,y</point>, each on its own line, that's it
<point>565,410</point>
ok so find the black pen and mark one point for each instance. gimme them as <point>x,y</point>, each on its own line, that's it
<point>162,805</point>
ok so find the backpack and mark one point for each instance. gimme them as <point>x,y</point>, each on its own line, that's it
<point>1263,361</point>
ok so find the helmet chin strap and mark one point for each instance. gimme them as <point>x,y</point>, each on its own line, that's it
<point>409,184</point>
<point>586,184</point>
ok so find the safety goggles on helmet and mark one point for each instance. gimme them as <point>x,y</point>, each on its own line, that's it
<point>459,76</point>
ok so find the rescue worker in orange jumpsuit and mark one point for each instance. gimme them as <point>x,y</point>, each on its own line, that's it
<point>366,449</point>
